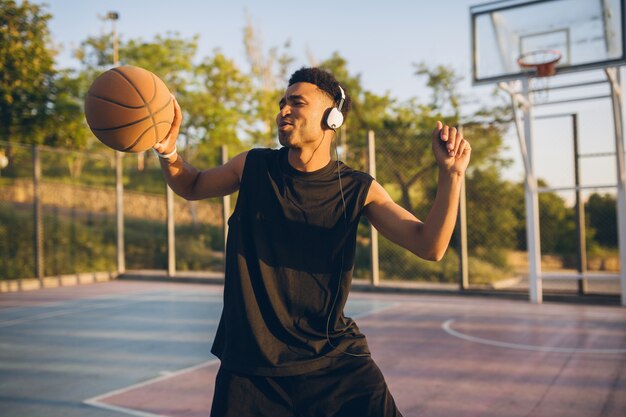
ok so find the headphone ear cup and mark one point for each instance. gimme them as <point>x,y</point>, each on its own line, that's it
<point>334,120</point>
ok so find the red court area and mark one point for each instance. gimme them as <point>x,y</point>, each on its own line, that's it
<point>441,355</point>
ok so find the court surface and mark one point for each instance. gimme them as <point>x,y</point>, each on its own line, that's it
<point>143,348</point>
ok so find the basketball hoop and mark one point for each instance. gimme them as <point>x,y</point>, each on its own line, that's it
<point>543,61</point>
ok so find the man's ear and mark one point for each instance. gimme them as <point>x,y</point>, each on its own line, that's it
<point>325,118</point>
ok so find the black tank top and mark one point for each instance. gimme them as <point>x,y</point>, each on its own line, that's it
<point>286,240</point>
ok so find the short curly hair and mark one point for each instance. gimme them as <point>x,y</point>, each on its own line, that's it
<point>326,82</point>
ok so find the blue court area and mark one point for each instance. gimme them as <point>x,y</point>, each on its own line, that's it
<point>62,346</point>
<point>142,348</point>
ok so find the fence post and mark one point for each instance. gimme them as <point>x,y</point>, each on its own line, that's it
<point>171,234</point>
<point>613,74</point>
<point>119,212</point>
<point>375,269</point>
<point>38,243</point>
<point>225,202</point>
<point>462,233</point>
<point>580,214</point>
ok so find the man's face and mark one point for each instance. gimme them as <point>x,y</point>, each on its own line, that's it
<point>300,118</point>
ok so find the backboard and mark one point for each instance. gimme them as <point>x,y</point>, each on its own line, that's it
<point>588,33</point>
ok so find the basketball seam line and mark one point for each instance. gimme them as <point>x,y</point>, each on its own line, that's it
<point>104,129</point>
<point>147,104</point>
<point>140,136</point>
<point>108,100</point>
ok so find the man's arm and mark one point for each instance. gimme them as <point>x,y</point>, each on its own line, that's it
<point>189,182</point>
<point>428,239</point>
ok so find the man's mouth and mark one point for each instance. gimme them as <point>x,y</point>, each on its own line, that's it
<point>284,124</point>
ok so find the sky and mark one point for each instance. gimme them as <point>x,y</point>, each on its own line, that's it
<point>381,41</point>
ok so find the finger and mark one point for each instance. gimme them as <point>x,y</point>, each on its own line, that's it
<point>178,114</point>
<point>464,149</point>
<point>457,144</point>
<point>166,143</point>
<point>437,130</point>
<point>460,149</point>
<point>445,132</point>
<point>452,141</point>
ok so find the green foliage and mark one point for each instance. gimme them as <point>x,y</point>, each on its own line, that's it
<point>26,71</point>
<point>16,242</point>
<point>217,108</point>
<point>66,127</point>
<point>444,84</point>
<point>558,227</point>
<point>492,221</point>
<point>407,140</point>
<point>269,74</point>
<point>169,56</point>
<point>398,263</point>
<point>368,111</point>
<point>601,211</point>
<point>76,242</point>
<point>225,105</point>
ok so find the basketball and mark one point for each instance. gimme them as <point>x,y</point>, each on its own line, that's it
<point>129,109</point>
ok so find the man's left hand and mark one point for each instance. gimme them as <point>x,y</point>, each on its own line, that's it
<point>452,151</point>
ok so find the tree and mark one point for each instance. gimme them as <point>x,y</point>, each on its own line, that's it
<point>493,221</point>
<point>407,136</point>
<point>368,111</point>
<point>602,214</point>
<point>268,75</point>
<point>217,107</point>
<point>557,224</point>
<point>169,56</point>
<point>26,72</point>
<point>444,84</point>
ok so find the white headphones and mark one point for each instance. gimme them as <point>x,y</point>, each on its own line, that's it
<point>334,120</point>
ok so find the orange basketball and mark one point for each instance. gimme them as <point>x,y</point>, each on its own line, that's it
<point>129,109</point>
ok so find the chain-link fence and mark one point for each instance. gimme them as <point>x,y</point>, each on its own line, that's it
<point>405,166</point>
<point>57,212</point>
<point>198,233</point>
<point>492,223</point>
<point>58,216</point>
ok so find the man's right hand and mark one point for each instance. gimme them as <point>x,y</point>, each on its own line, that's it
<point>168,144</point>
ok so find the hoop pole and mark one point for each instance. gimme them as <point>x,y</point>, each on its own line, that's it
<point>533,241</point>
<point>524,134</point>
<point>580,213</point>
<point>225,204</point>
<point>374,254</point>
<point>613,74</point>
<point>171,233</point>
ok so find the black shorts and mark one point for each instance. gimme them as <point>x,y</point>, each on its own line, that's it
<point>353,387</point>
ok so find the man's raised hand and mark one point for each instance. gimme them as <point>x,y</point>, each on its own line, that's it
<point>452,151</point>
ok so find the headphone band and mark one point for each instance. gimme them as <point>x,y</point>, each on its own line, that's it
<point>343,98</point>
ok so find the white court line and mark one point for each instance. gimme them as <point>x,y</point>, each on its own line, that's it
<point>79,309</point>
<point>124,410</point>
<point>115,302</point>
<point>374,310</point>
<point>448,323</point>
<point>95,401</point>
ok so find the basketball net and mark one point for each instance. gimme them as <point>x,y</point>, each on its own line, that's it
<point>541,65</point>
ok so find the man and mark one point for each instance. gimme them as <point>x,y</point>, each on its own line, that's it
<point>285,346</point>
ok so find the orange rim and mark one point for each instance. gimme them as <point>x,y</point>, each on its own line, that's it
<point>543,61</point>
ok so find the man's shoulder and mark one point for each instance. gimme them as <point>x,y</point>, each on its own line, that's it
<point>355,174</point>
<point>259,159</point>
<point>262,153</point>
